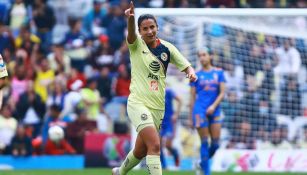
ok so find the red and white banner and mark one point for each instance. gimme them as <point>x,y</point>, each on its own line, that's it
<point>260,160</point>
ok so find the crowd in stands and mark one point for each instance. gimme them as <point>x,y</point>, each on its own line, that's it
<point>69,66</point>
<point>266,84</point>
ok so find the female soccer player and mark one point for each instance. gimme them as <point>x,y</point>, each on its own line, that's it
<point>206,95</point>
<point>149,58</point>
<point>168,127</point>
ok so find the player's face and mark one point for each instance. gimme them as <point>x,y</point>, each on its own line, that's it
<point>204,58</point>
<point>148,30</point>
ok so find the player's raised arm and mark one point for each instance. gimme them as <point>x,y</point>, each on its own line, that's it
<point>131,24</point>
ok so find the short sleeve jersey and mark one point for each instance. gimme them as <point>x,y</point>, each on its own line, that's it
<point>148,71</point>
<point>207,86</point>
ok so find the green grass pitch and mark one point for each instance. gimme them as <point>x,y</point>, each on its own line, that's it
<point>108,172</point>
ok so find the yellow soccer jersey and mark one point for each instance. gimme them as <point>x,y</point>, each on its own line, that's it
<point>148,71</point>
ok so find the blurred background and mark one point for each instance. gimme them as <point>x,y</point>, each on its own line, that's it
<point>69,67</point>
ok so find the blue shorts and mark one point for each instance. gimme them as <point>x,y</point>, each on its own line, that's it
<point>201,120</point>
<point>167,127</point>
<point>167,131</point>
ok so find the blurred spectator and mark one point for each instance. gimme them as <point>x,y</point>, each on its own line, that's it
<point>270,45</point>
<point>91,99</point>
<point>142,3</point>
<point>239,47</point>
<point>6,39</point>
<point>8,126</point>
<point>44,20</point>
<point>53,119</point>
<point>122,55</point>
<point>303,142</point>
<point>18,82</point>
<point>267,85</point>
<point>17,16</point>
<point>60,8</point>
<point>75,44</point>
<point>115,24</point>
<point>56,95</point>
<point>104,82</point>
<point>105,54</point>
<point>77,130</point>
<point>266,120</point>
<point>269,4</point>
<point>231,107</point>
<point>289,60</point>
<point>251,99</point>
<point>276,141</point>
<point>58,59</point>
<point>74,76</point>
<point>44,78</point>
<point>60,146</point>
<point>92,22</point>
<point>27,40</point>
<point>253,63</point>
<point>242,138</point>
<point>30,109</point>
<point>122,84</point>
<point>220,3</point>
<point>21,144</point>
<point>23,58</point>
<point>301,4</point>
<point>234,77</point>
<point>290,102</point>
<point>74,33</point>
<point>72,99</point>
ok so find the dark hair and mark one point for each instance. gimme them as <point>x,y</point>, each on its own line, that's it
<point>146,16</point>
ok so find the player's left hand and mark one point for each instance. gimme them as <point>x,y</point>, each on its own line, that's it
<point>210,110</point>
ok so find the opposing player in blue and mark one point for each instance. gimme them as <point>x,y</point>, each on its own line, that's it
<point>168,127</point>
<point>206,95</point>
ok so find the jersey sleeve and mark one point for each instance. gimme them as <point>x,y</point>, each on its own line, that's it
<point>135,44</point>
<point>178,59</point>
<point>221,77</point>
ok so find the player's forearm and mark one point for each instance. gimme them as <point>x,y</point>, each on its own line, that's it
<point>179,104</point>
<point>189,70</point>
<point>192,101</point>
<point>218,99</point>
<point>131,30</point>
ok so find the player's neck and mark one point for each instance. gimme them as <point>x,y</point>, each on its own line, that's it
<point>207,68</point>
<point>154,44</point>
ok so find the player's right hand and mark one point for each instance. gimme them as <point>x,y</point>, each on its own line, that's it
<point>130,11</point>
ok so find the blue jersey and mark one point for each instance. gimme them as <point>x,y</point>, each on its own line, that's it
<point>167,124</point>
<point>169,97</point>
<point>207,86</point>
<point>207,89</point>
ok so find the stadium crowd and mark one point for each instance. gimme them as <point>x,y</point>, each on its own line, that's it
<point>69,66</point>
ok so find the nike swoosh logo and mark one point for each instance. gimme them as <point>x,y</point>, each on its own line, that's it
<point>2,65</point>
<point>144,52</point>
